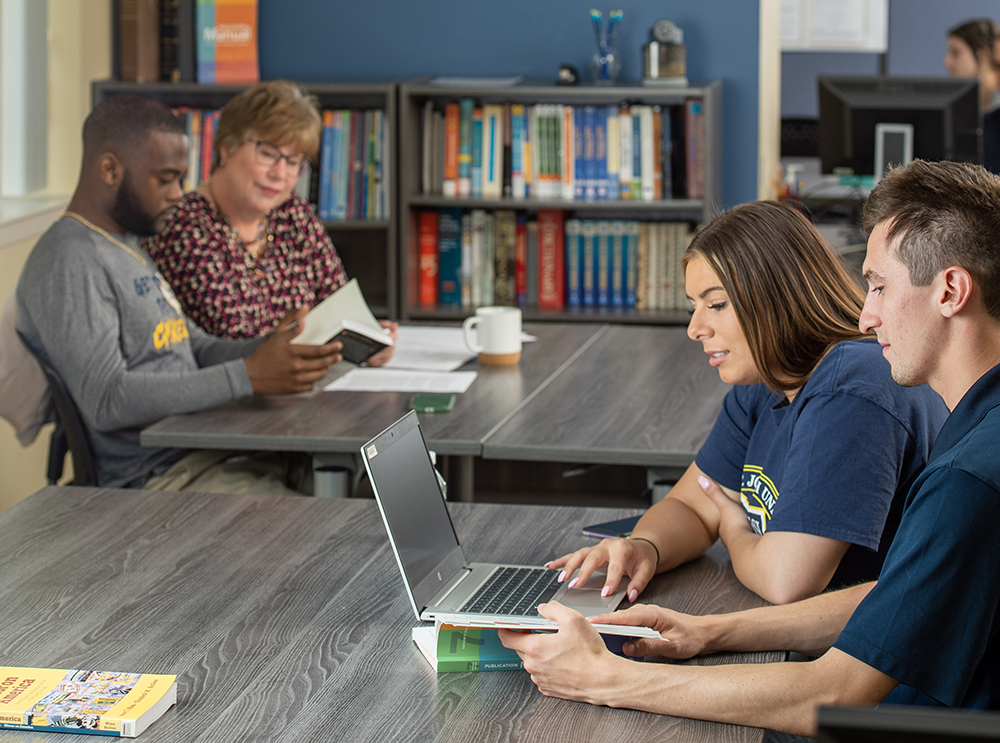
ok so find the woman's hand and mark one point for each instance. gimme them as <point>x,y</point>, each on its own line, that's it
<point>383,356</point>
<point>636,557</point>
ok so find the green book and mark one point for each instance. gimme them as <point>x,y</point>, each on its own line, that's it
<point>451,649</point>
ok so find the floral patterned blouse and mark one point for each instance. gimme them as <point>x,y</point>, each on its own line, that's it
<point>229,296</point>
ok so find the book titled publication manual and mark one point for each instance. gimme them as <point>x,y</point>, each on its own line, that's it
<point>345,316</point>
<point>453,649</point>
<point>79,701</point>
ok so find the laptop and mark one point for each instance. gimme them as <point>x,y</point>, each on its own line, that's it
<point>440,582</point>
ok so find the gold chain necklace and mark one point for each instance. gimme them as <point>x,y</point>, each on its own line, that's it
<point>107,235</point>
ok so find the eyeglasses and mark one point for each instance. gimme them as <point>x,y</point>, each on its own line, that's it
<point>269,155</point>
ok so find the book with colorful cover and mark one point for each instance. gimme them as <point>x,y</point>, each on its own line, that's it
<point>452,649</point>
<point>574,263</point>
<point>326,172</point>
<point>476,168</point>
<point>452,123</point>
<point>226,48</point>
<point>82,701</point>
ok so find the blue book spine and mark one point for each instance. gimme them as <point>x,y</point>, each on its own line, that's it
<point>636,156</point>
<point>614,192</point>
<point>477,153</point>
<point>603,265</point>
<point>450,255</point>
<point>336,182</point>
<point>589,153</point>
<point>574,263</point>
<point>326,172</point>
<point>601,152</point>
<point>205,43</point>
<point>617,240</point>
<point>363,159</point>
<point>631,253</point>
<point>579,148</point>
<point>588,243</point>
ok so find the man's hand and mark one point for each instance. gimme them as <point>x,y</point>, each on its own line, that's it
<point>684,636</point>
<point>279,367</point>
<point>383,356</point>
<point>572,663</point>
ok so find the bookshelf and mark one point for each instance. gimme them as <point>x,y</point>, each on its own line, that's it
<point>413,99</point>
<point>367,247</point>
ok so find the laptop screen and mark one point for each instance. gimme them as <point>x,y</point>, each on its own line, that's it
<point>415,513</point>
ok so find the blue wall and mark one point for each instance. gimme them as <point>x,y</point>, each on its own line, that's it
<point>396,39</point>
<point>918,32</point>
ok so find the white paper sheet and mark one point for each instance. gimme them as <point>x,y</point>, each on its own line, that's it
<point>432,348</point>
<point>403,380</point>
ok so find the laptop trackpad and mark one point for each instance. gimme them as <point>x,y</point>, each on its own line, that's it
<point>587,598</point>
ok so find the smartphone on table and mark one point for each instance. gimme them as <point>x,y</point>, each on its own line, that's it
<point>612,529</point>
<point>428,402</point>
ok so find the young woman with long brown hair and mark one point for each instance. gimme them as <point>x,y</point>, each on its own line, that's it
<point>814,442</point>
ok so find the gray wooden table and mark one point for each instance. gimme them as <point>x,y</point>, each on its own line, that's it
<point>343,421</point>
<point>637,395</point>
<point>285,620</point>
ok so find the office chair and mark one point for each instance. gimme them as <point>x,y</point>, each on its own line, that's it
<point>70,433</point>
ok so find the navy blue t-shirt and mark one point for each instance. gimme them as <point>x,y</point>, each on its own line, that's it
<point>830,462</point>
<point>932,620</point>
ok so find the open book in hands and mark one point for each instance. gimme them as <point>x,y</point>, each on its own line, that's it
<point>345,316</point>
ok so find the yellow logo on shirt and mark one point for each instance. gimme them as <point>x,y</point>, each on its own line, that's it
<point>169,333</point>
<point>759,497</point>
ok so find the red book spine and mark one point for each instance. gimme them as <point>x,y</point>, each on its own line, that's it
<point>521,263</point>
<point>451,121</point>
<point>428,255</point>
<point>207,140</point>
<point>551,259</point>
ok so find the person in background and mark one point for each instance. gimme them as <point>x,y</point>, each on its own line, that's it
<point>813,404</point>
<point>970,53</point>
<point>91,303</point>
<point>242,249</point>
<point>928,632</point>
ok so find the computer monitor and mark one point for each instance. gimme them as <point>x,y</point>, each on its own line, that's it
<point>903,724</point>
<point>942,113</point>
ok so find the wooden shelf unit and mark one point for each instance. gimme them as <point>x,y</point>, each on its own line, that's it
<point>412,99</point>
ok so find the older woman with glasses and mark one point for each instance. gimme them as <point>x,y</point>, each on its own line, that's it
<point>241,250</point>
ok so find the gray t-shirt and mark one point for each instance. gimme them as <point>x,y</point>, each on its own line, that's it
<point>108,323</point>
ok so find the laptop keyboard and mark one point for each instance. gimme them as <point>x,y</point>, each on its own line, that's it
<point>514,592</point>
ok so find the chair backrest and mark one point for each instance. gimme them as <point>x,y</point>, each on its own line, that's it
<point>71,426</point>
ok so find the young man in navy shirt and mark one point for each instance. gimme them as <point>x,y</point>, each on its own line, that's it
<point>926,631</point>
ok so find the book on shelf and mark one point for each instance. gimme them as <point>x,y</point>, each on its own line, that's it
<point>492,151</point>
<point>138,40</point>
<point>83,701</point>
<point>428,246</point>
<point>694,124</point>
<point>551,259</point>
<point>449,256</point>
<point>453,649</point>
<point>480,257</point>
<point>476,164</point>
<point>451,126</point>
<point>227,42</point>
<point>465,109</point>
<point>344,316</point>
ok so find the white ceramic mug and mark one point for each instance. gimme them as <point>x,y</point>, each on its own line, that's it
<point>498,333</point>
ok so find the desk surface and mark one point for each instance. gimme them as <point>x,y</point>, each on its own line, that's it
<point>637,395</point>
<point>344,421</point>
<point>612,394</point>
<point>285,620</point>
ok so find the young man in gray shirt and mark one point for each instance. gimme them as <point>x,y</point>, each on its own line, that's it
<point>92,304</point>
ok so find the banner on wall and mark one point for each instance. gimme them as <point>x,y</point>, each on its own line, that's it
<point>835,25</point>
<point>227,42</point>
